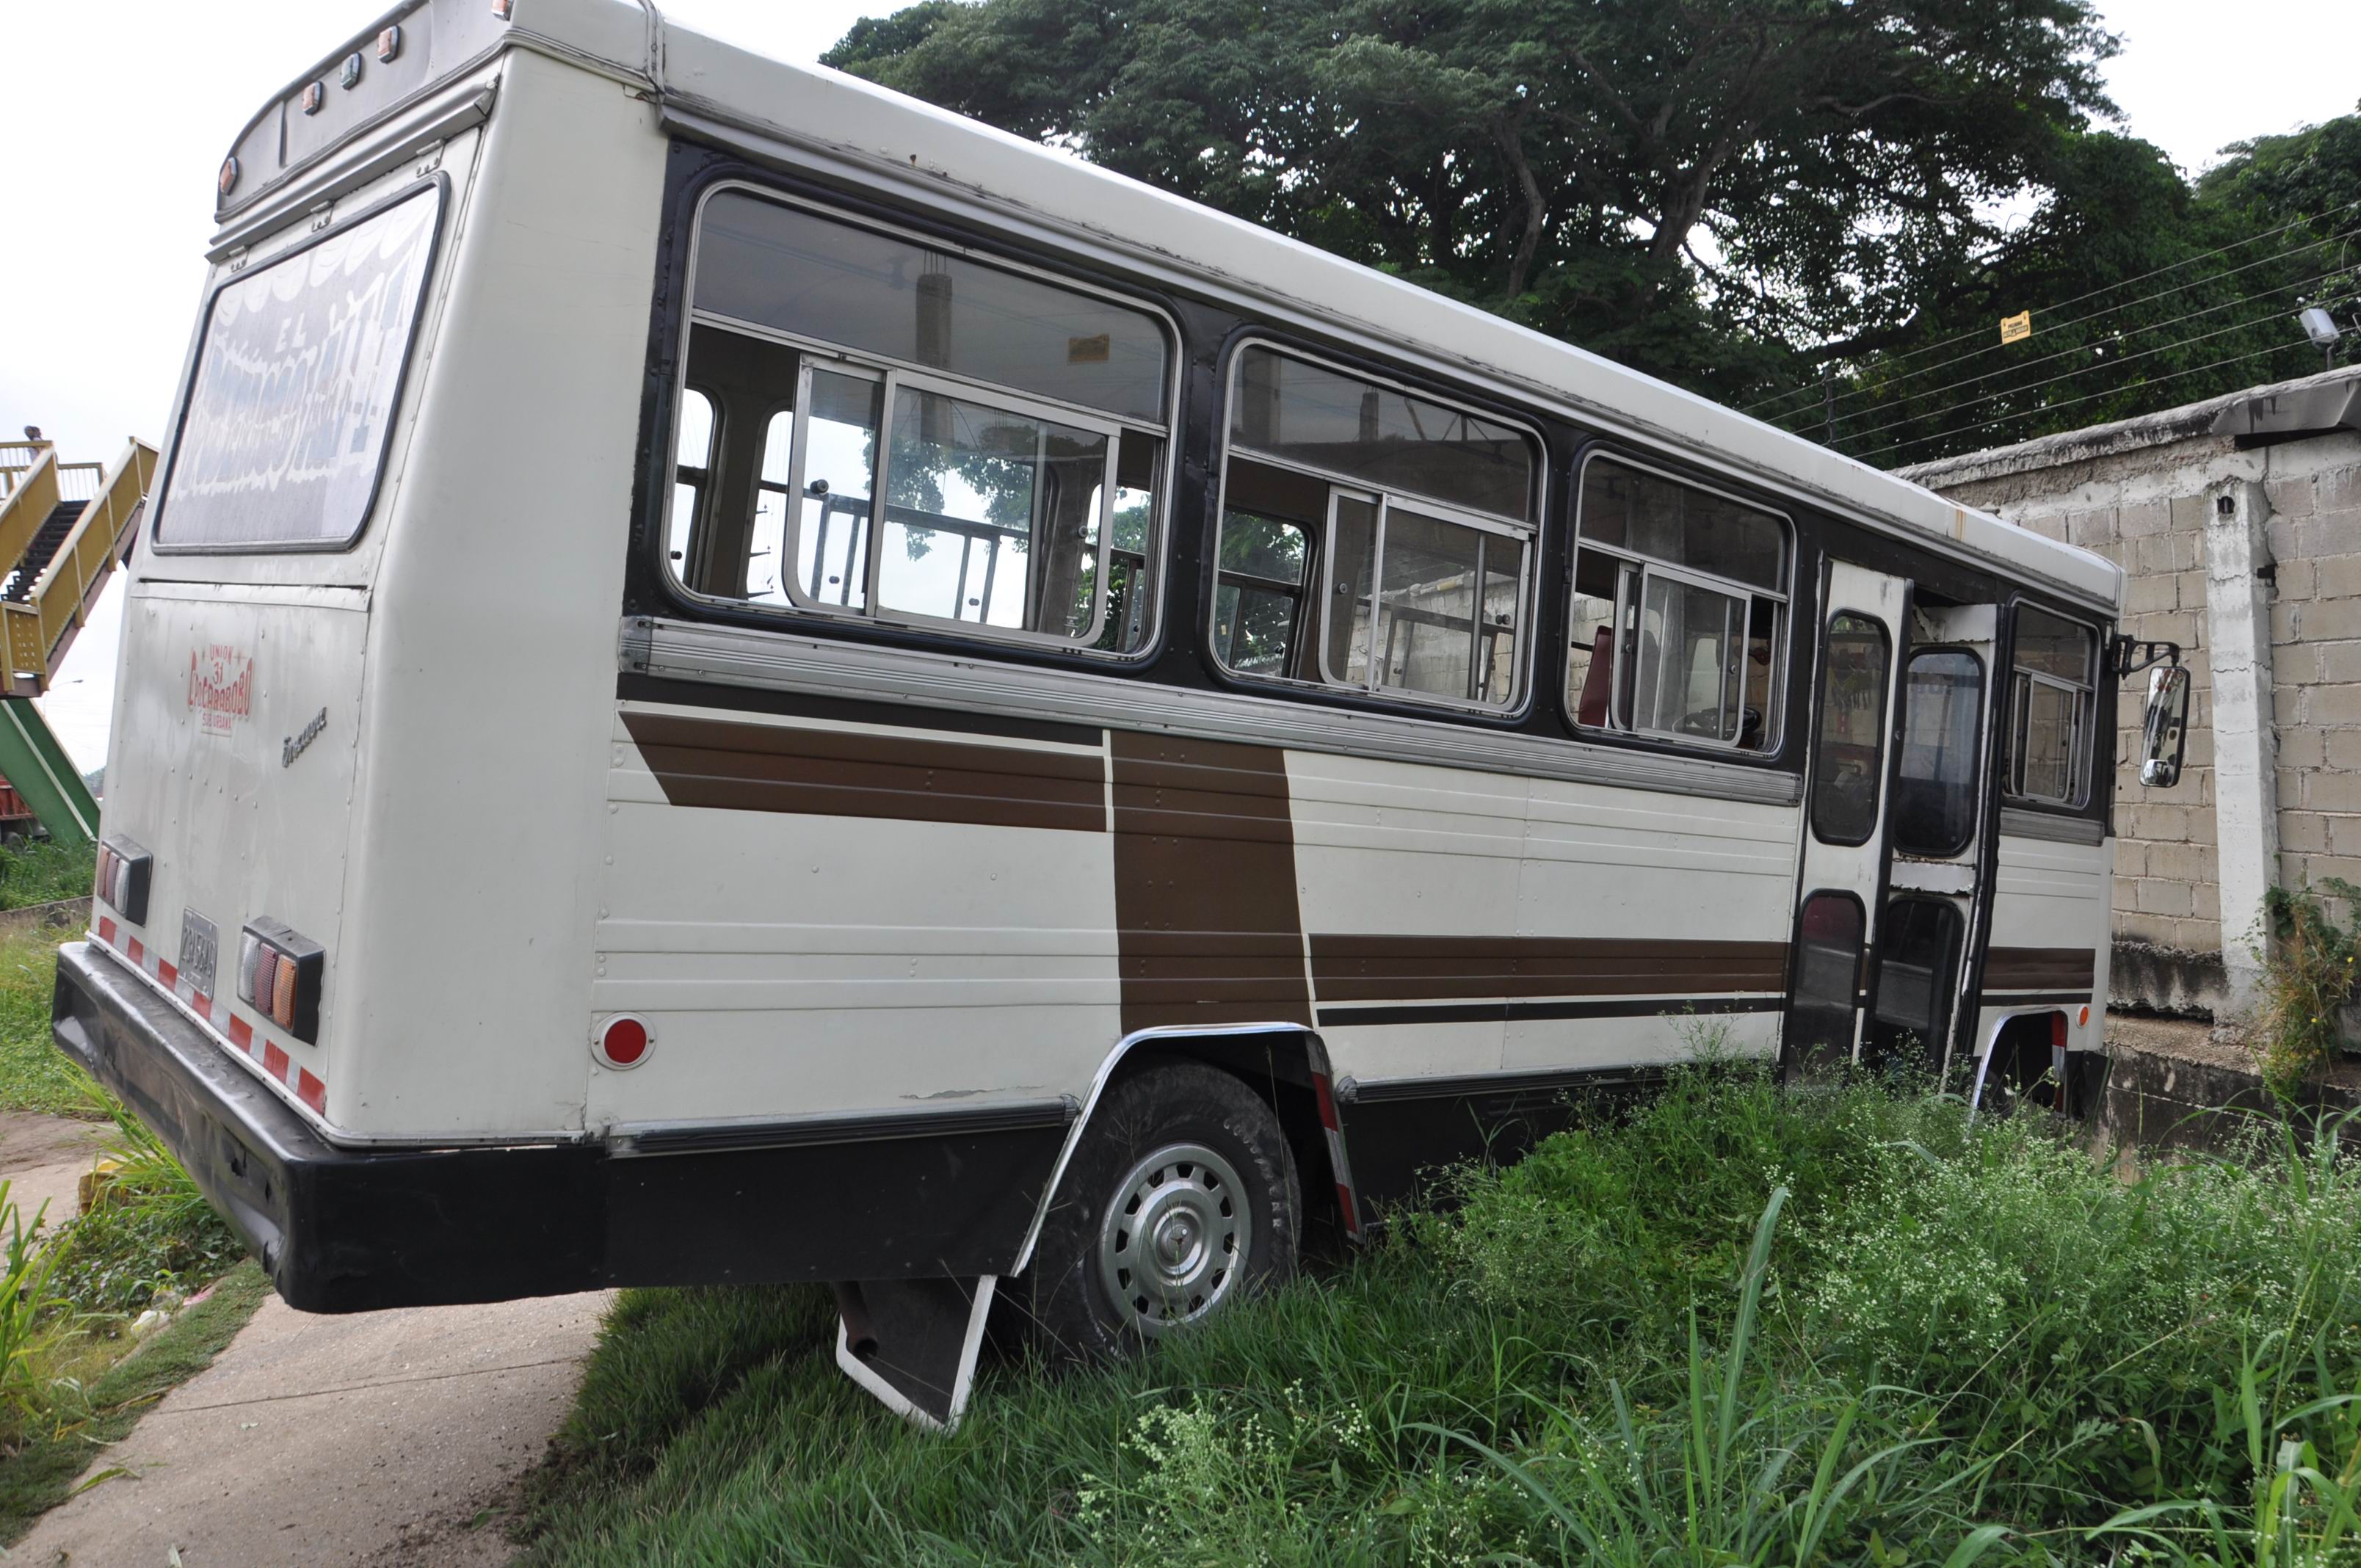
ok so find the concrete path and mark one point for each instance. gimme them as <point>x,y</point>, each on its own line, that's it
<point>42,1159</point>
<point>381,1438</point>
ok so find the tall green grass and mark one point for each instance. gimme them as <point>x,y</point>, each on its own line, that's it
<point>36,870</point>
<point>1740,1326</point>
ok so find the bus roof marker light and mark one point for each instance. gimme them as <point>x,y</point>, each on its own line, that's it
<point>350,76</point>
<point>314,96</point>
<point>388,45</point>
<point>502,8</point>
<point>226,180</point>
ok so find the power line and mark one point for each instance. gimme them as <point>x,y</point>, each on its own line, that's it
<point>2100,344</point>
<point>2087,397</point>
<point>2333,213</point>
<point>2052,381</point>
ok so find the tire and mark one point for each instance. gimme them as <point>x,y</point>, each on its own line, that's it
<point>1181,1197</point>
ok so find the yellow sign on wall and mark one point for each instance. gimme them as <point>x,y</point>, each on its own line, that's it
<point>2016,328</point>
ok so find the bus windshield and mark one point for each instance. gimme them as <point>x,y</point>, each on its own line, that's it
<point>297,377</point>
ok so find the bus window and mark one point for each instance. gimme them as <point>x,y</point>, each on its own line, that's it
<point>1678,612</point>
<point>2053,698</point>
<point>1935,778</point>
<point>1371,539</point>
<point>1849,763</point>
<point>1258,596</point>
<point>942,441</point>
<point>300,369</point>
<point>692,468</point>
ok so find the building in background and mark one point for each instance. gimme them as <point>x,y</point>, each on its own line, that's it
<point>2239,523</point>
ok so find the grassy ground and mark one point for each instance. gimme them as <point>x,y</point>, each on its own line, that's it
<point>1744,1326</point>
<point>39,872</point>
<point>72,1378</point>
<point>34,1075</point>
<point>43,1465</point>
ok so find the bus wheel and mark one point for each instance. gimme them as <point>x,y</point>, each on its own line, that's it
<point>1181,1197</point>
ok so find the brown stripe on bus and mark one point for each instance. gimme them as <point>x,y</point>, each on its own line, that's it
<point>836,773</point>
<point>1207,926</point>
<point>2040,969</point>
<point>1372,968</point>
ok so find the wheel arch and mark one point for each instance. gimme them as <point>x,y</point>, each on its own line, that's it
<point>1285,1064</point>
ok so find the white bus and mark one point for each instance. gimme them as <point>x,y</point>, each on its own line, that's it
<point>736,678</point>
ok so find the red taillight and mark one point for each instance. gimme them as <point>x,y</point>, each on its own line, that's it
<point>125,871</point>
<point>278,975</point>
<point>623,1041</point>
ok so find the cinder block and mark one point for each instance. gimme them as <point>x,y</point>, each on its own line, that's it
<point>2209,907</point>
<point>2300,746</point>
<point>2287,706</point>
<point>2344,833</point>
<point>2328,619</point>
<point>2329,792</point>
<point>2188,863</point>
<point>2153,591</point>
<point>2188,512</point>
<point>2091,529</point>
<point>2295,580</point>
<point>2337,576</point>
<point>2308,830</point>
<point>2143,520</point>
<point>2279,534</point>
<point>2286,625</point>
<point>2202,828</point>
<point>2338,487</point>
<point>2338,661</point>
<point>2342,748</point>
<point>2331,706</point>
<point>2139,928</point>
<point>2296,663</point>
<point>2131,857</point>
<point>2289,498</point>
<point>2165,897</point>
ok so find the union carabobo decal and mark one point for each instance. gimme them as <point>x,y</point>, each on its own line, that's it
<point>221,688</point>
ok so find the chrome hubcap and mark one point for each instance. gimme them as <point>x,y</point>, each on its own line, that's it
<point>1175,1238</point>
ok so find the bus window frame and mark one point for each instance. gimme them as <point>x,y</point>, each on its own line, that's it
<point>2083,758</point>
<point>795,615</point>
<point>1619,731</point>
<point>430,282</point>
<point>1534,533</point>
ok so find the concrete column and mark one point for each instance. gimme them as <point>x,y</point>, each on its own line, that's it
<point>2245,742</point>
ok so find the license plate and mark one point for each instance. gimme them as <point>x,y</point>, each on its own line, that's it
<point>200,951</point>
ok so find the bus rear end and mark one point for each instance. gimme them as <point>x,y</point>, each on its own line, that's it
<point>339,956</point>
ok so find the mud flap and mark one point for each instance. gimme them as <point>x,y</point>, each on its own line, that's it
<point>913,1343</point>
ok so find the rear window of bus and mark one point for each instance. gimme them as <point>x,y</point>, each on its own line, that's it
<point>298,374</point>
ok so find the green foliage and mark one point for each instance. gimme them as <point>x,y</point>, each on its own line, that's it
<point>153,1231</point>
<point>1737,1324</point>
<point>30,1306</point>
<point>34,1075</point>
<point>41,1468</point>
<point>1622,174</point>
<point>39,870</point>
<point>2308,975</point>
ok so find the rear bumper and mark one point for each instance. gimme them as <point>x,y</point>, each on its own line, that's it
<point>344,1230</point>
<point>337,1230</point>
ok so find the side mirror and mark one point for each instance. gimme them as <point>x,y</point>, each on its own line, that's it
<point>2165,729</point>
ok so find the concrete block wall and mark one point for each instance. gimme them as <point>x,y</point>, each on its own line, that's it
<point>2141,492</point>
<point>2165,891</point>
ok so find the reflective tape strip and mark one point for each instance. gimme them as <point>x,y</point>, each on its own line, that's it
<point>306,1085</point>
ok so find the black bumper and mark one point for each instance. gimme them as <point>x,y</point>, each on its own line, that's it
<point>344,1230</point>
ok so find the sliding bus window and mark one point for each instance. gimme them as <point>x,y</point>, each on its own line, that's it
<point>1679,613</point>
<point>1371,539</point>
<point>2053,699</point>
<point>910,435</point>
<point>1942,731</point>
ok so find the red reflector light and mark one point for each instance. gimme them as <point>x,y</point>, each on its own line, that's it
<point>388,45</point>
<point>313,96</point>
<point>623,1041</point>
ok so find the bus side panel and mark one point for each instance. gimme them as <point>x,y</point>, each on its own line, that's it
<point>823,918</point>
<point>1685,904</point>
<point>473,895</point>
<point>2051,936</point>
<point>1405,869</point>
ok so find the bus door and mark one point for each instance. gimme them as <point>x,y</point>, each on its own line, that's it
<point>1937,913</point>
<point>1855,668</point>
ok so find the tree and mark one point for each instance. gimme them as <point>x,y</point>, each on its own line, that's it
<point>1702,189</point>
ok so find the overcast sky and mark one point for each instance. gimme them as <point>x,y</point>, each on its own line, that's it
<point>116,115</point>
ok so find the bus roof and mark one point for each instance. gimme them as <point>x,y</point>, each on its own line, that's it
<point>929,155</point>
